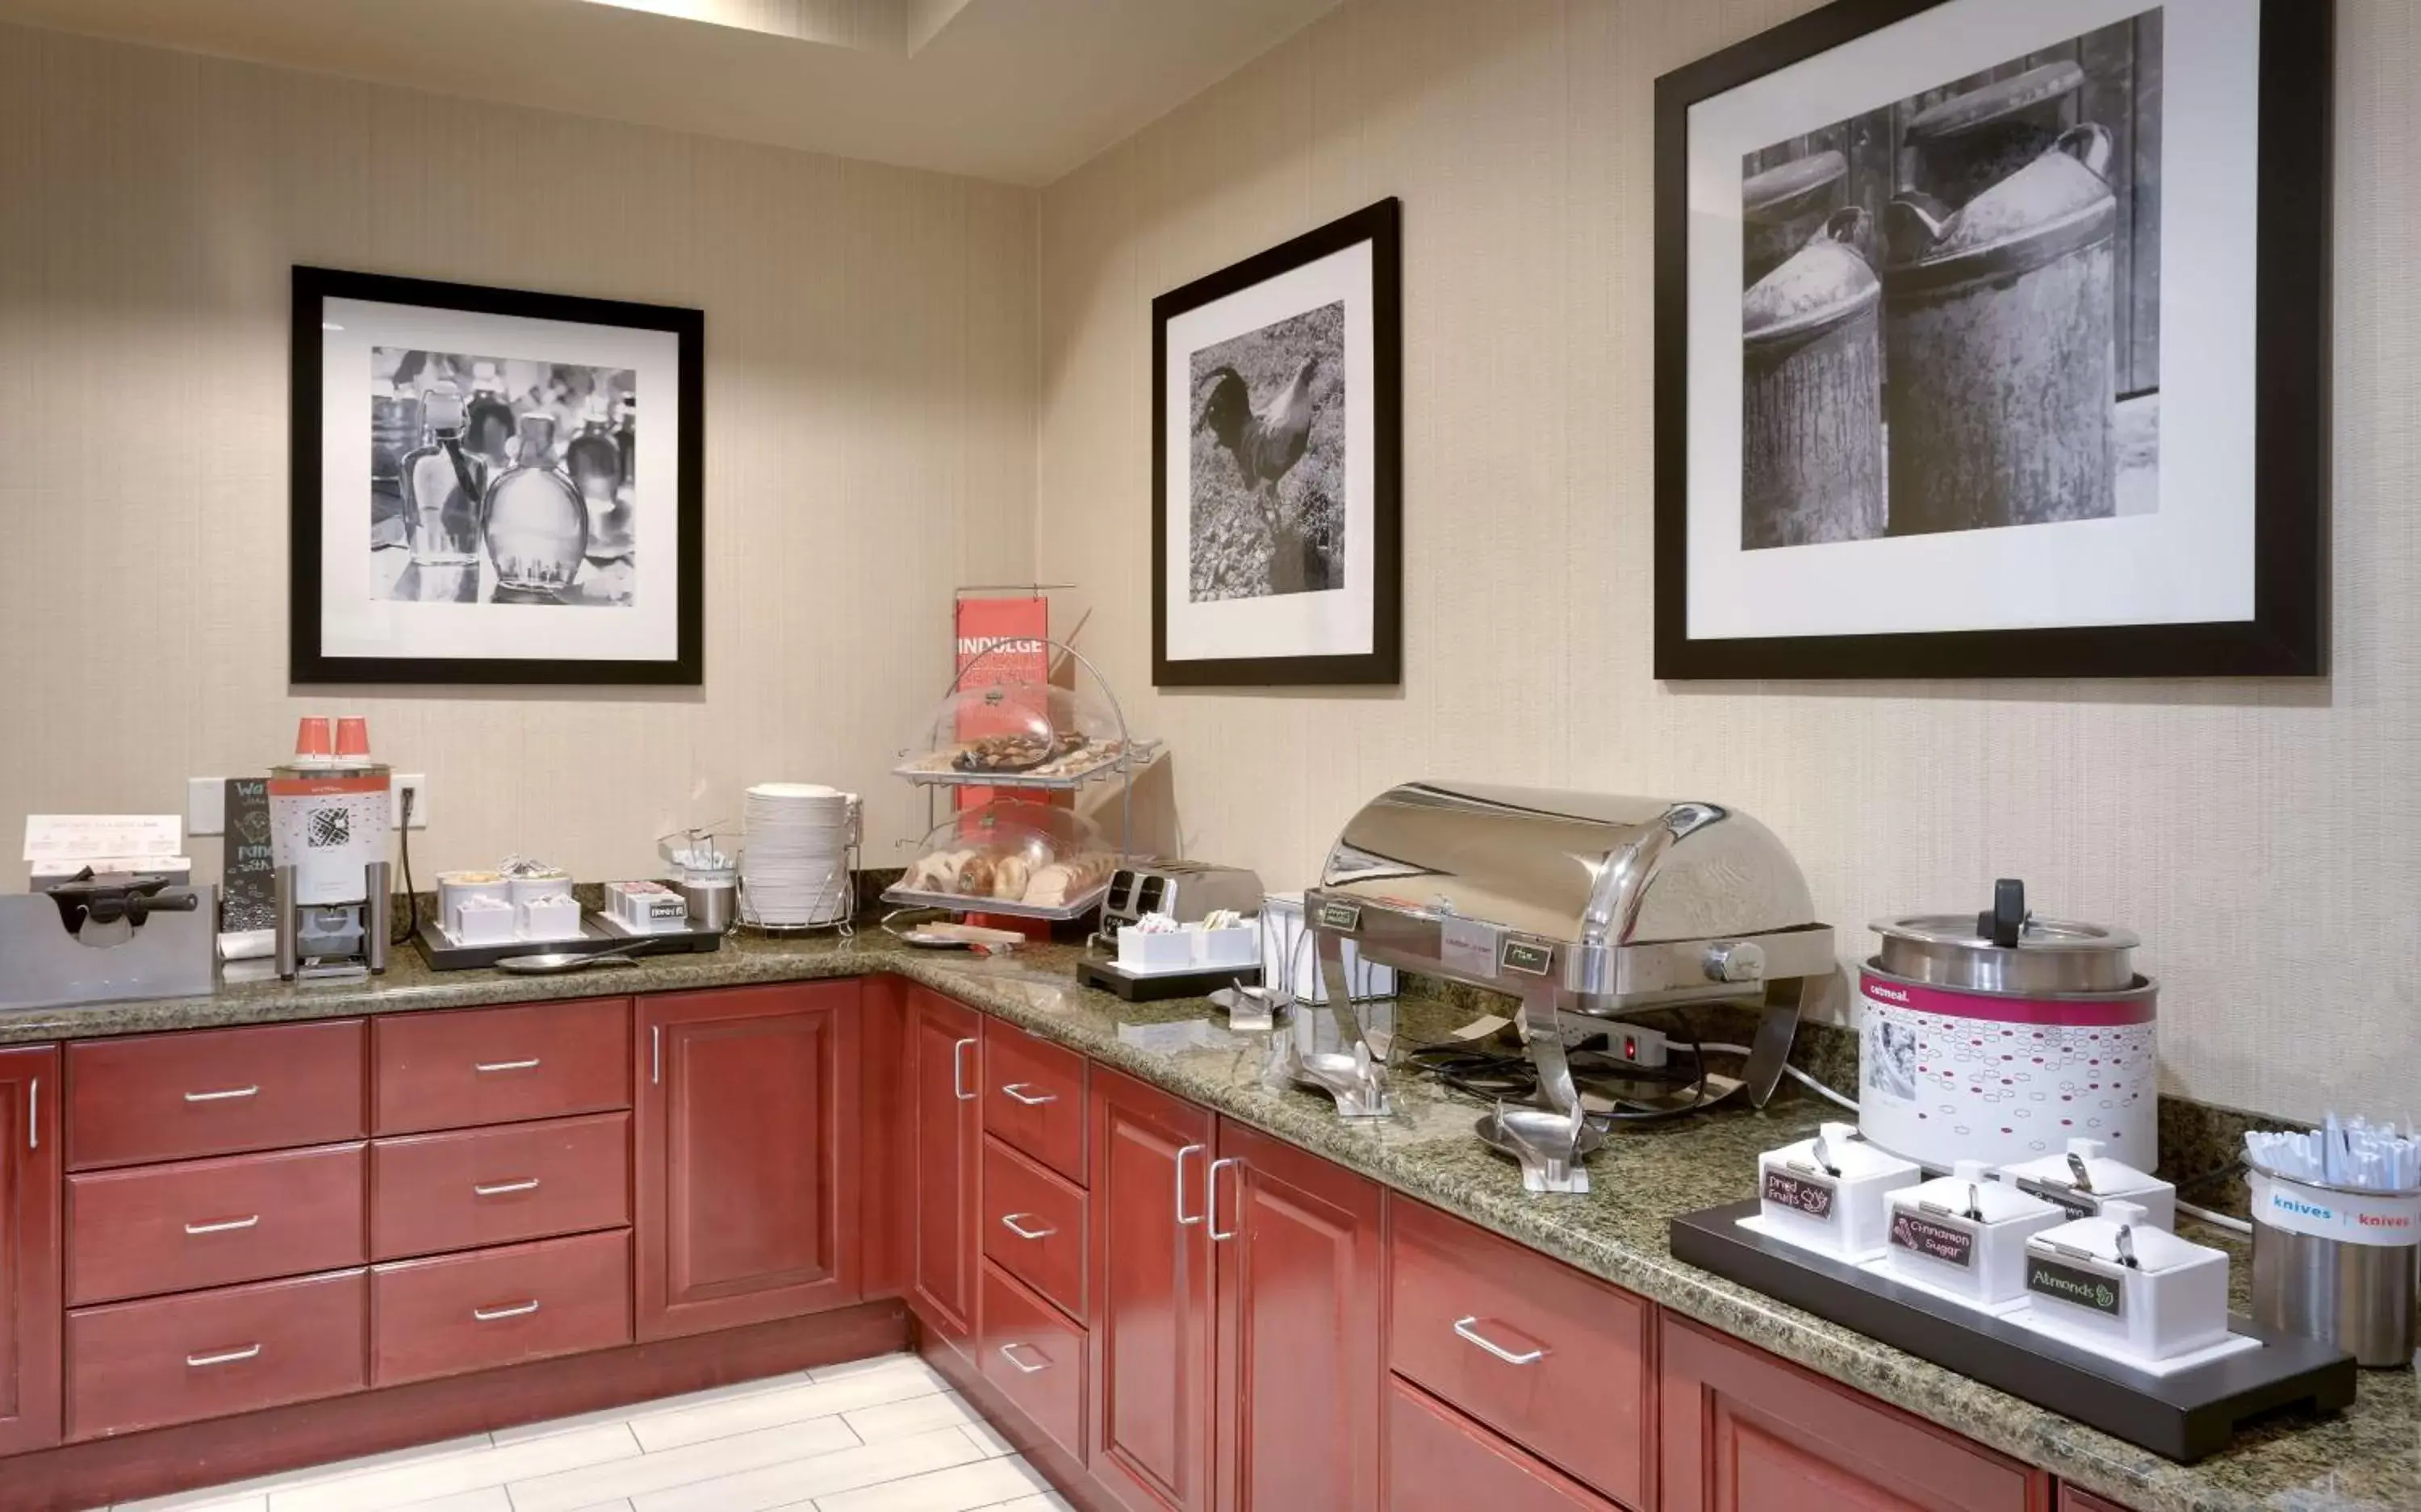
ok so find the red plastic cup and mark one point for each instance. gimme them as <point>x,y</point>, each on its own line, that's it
<point>353,736</point>
<point>311,736</point>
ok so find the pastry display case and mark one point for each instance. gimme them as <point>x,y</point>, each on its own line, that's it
<point>1013,857</point>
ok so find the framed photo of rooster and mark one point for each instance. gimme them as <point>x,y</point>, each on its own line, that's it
<point>1276,527</point>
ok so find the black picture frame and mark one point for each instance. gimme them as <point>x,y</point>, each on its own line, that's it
<point>1381,225</point>
<point>309,664</point>
<point>2287,635</point>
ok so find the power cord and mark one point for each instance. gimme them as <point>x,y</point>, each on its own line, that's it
<point>411,893</point>
<point>1795,1074</point>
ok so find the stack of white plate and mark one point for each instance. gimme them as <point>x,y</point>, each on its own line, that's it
<point>795,854</point>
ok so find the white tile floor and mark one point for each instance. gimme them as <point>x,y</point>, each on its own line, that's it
<point>883,1434</point>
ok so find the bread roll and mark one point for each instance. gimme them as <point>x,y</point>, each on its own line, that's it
<point>975,877</point>
<point>1010,877</point>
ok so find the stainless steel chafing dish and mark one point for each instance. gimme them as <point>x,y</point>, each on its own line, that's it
<point>1575,903</point>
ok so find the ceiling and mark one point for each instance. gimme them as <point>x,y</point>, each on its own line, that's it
<point>1016,90</point>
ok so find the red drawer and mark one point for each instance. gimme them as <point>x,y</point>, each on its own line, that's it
<point>433,1193</point>
<point>1034,1098</point>
<point>213,1092</point>
<point>1035,1356</point>
<point>1034,1226</point>
<point>500,1066</point>
<point>2073,1500</point>
<point>1548,1357</point>
<point>1439,1460</point>
<point>209,1353</point>
<point>160,1228</point>
<point>496,1307</point>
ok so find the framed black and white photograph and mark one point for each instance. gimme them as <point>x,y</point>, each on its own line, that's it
<point>1991,341</point>
<point>1276,520</point>
<point>471,498</point>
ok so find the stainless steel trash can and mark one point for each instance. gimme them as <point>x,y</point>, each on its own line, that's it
<point>2337,1264</point>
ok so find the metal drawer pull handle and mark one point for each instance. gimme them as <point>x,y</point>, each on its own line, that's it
<point>1009,1352</point>
<point>1015,1092</point>
<point>228,1096</point>
<point>34,1113</point>
<point>958,1071</point>
<point>489,1315</point>
<point>1010,1222</point>
<point>231,1357</point>
<point>1211,1201</point>
<point>503,1189</point>
<point>529,1065</point>
<point>1182,1220</point>
<point>1528,1357</point>
<point>228,1227</point>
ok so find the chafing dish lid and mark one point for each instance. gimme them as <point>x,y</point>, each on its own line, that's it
<point>1583,867</point>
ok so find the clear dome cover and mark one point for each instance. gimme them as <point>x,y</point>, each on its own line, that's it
<point>1010,857</point>
<point>1018,731</point>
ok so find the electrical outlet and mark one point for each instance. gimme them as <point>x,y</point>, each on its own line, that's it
<point>206,806</point>
<point>417,786</point>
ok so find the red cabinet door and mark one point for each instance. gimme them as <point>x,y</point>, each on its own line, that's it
<point>1298,1255</point>
<point>29,1250</point>
<point>1745,1432</point>
<point>945,1053</point>
<point>2073,1500</point>
<point>1151,1410</point>
<point>747,1155</point>
<point>1439,1460</point>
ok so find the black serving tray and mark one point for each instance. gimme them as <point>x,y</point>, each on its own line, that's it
<point>596,934</point>
<point>2185,1416</point>
<point>1157,986</point>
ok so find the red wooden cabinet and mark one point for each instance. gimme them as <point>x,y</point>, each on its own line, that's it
<point>1298,1258</point>
<point>1151,1305</point>
<point>946,1058</point>
<point>1745,1432</point>
<point>2073,1500</point>
<point>1438,1460</point>
<point>29,1249</point>
<point>746,1153</point>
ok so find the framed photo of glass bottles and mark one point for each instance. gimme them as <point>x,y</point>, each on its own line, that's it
<point>469,500</point>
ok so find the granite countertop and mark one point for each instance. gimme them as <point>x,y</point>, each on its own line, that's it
<point>2366,1459</point>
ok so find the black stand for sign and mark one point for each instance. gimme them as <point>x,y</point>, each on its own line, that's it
<point>2184,1417</point>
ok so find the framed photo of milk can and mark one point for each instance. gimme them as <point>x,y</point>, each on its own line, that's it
<point>470,499</point>
<point>1991,341</point>
<point>1276,522</point>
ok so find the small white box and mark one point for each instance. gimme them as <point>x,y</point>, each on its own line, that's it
<point>1827,1193</point>
<point>2172,1301</point>
<point>1162,951</point>
<point>1226,949</point>
<point>1964,1235</point>
<point>549,919</point>
<point>483,921</point>
<point>2056,1179</point>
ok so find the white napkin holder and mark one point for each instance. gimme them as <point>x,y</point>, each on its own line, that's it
<point>1964,1236</point>
<point>1826,1194</point>
<point>2084,1179</point>
<point>2171,1299</point>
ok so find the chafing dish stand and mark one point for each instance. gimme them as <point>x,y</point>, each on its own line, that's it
<point>1574,903</point>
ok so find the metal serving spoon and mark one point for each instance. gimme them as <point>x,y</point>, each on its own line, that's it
<point>550,962</point>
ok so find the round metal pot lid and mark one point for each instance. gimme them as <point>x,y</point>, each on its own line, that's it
<point>2006,949</point>
<point>1779,192</point>
<point>1994,101</point>
<point>1825,281</point>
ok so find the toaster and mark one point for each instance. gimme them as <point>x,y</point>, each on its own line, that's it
<point>1186,891</point>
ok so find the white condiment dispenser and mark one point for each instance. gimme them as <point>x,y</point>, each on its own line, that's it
<point>1827,1193</point>
<point>2084,1180</point>
<point>2119,1286</point>
<point>1965,1235</point>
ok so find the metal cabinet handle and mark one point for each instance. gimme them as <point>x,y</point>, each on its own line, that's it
<point>655,1055</point>
<point>1010,1222</point>
<point>958,1071</point>
<point>503,1189</point>
<point>228,1227</point>
<point>1009,1352</point>
<point>1211,1200</point>
<point>1015,1092</point>
<point>485,1067</point>
<point>1529,1357</point>
<point>229,1357</point>
<point>1182,1221</point>
<point>230,1095</point>
<point>489,1315</point>
<point>34,1113</point>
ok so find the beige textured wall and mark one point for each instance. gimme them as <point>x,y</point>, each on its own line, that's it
<point>2264,837</point>
<point>870,388</point>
